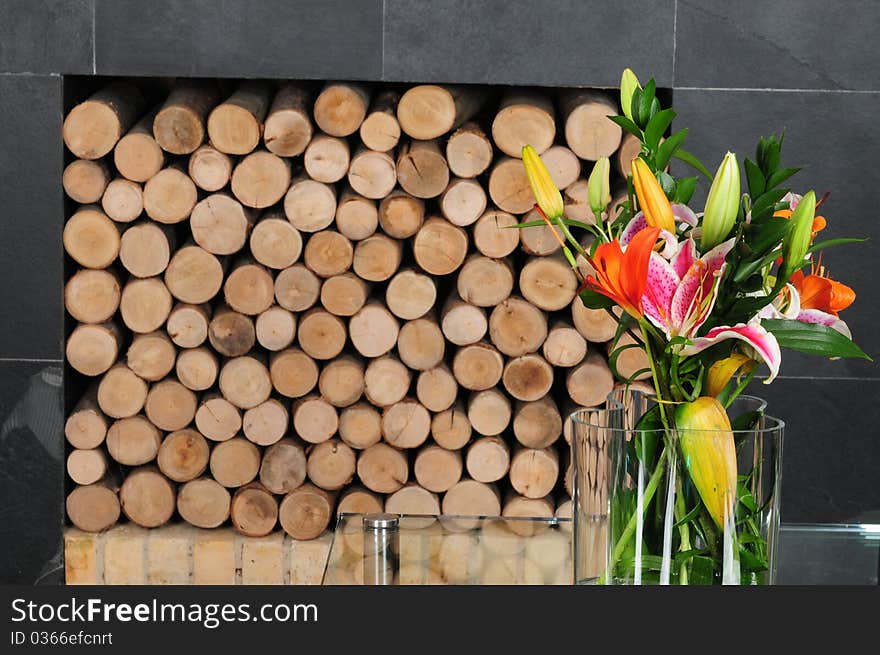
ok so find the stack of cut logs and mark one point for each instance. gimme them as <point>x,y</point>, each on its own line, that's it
<point>295,301</point>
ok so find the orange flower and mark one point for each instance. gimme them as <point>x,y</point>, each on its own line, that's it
<point>622,276</point>
<point>820,292</point>
<point>819,222</point>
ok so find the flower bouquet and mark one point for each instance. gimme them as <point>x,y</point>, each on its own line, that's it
<point>693,479</point>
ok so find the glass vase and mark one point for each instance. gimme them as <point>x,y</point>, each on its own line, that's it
<point>662,506</point>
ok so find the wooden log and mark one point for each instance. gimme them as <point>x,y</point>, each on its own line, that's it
<point>485,282</point>
<point>274,242</point>
<point>436,388</point>
<point>539,239</point>
<point>321,334</point>
<point>123,200</point>
<point>380,130</point>
<point>194,275</point>
<point>451,428</point>
<point>327,158</point>
<point>360,426</point>
<point>235,125</point>
<point>93,348</point>
<point>187,325</point>
<point>517,327</point>
<point>630,148</point>
<point>328,253</point>
<point>421,168</point>
<point>203,503</point>
<point>527,377</point>
<point>382,468</point>
<point>266,423</point>
<point>590,382</point>
<point>494,234</point>
<point>179,126</point>
<point>413,500</point>
<point>93,508</point>
<point>372,173</point>
<point>469,151</point>
<point>275,328</point>
<point>254,510</point>
<point>478,366</point>
<point>183,455</point>
<point>309,205</point>
<point>420,344</point>
<point>197,368</point>
<point>217,418</point>
<point>563,165</point>
<point>401,215</point>
<point>86,426</point>
<point>373,330</point>
<point>377,257</point>
<point>440,247</point>
<point>576,201</point>
<point>314,419</point>
<point>588,132</point>
<point>145,304</point>
<point>428,111</point>
<point>341,107</point>
<point>249,288</point>
<point>437,469</point>
<point>534,472</point>
<point>283,468</point>
<point>356,217</point>
<point>344,294</point>
<point>524,118</point>
<point>516,506</point>
<point>209,168</point>
<point>564,345</point>
<point>137,155</point>
<point>86,466</point>
<point>220,224</point>
<point>471,498</point>
<point>293,373</point>
<point>488,459</point>
<point>509,187</point>
<point>91,238</point>
<point>386,381</point>
<point>170,195</point>
<point>297,288</point>
<point>235,462</point>
<point>631,361</point>
<point>406,424</point>
<point>549,283</point>
<point>331,465</point>
<point>463,201</point>
<point>288,127</point>
<point>133,441</point>
<point>85,180</point>
<point>463,323</point>
<point>231,333</point>
<point>145,248</point>
<point>357,500</point>
<point>489,412</point>
<point>261,179</point>
<point>147,497</point>
<point>245,382</point>
<point>93,127</point>
<point>170,405</point>
<point>594,325</point>
<point>121,393</point>
<point>341,382</point>
<point>537,424</point>
<point>151,356</point>
<point>305,512</point>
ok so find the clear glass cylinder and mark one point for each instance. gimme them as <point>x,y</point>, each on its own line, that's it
<point>674,506</point>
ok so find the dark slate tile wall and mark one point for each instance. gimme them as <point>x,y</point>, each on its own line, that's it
<point>46,36</point>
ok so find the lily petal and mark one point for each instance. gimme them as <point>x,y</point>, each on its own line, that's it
<point>685,257</point>
<point>824,318</point>
<point>684,214</point>
<point>763,342</point>
<point>695,296</point>
<point>662,283</point>
<point>639,223</point>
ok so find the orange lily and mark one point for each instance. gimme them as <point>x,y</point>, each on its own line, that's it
<point>819,222</point>
<point>652,199</point>
<point>817,291</point>
<point>623,276</point>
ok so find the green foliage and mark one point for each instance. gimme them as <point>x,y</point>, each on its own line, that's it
<point>813,339</point>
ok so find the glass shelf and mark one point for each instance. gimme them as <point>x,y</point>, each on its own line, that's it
<point>460,550</point>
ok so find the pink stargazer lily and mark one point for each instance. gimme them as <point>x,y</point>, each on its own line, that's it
<point>762,342</point>
<point>637,223</point>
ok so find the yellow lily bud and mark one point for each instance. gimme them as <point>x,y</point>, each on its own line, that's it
<point>797,241</point>
<point>628,85</point>
<point>706,440</point>
<point>546,193</point>
<point>599,186</point>
<point>652,199</point>
<point>722,205</point>
<point>723,370</point>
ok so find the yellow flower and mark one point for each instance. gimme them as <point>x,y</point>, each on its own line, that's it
<point>628,85</point>
<point>652,199</point>
<point>723,370</point>
<point>546,193</point>
<point>599,186</point>
<point>722,205</point>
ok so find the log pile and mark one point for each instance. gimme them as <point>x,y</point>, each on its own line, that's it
<point>290,301</point>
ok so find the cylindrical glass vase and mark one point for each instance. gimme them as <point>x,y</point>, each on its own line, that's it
<point>666,506</point>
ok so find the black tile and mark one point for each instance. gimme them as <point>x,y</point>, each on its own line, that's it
<point>31,254</point>
<point>570,42</point>
<point>833,134</point>
<point>831,451</point>
<point>802,44</point>
<point>237,38</point>
<point>31,472</point>
<point>46,36</point>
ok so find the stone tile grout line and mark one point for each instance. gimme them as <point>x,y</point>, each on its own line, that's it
<point>674,38</point>
<point>95,42</point>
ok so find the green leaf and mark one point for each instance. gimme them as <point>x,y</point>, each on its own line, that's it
<point>668,148</point>
<point>816,247</point>
<point>628,125</point>
<point>692,161</point>
<point>594,300</point>
<point>813,339</point>
<point>765,237</point>
<point>645,101</point>
<point>755,178</point>
<point>568,221</point>
<point>767,202</point>
<point>780,176</point>
<point>684,189</point>
<point>657,127</point>
<point>667,183</point>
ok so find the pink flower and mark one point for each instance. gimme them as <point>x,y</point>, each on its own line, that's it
<point>758,339</point>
